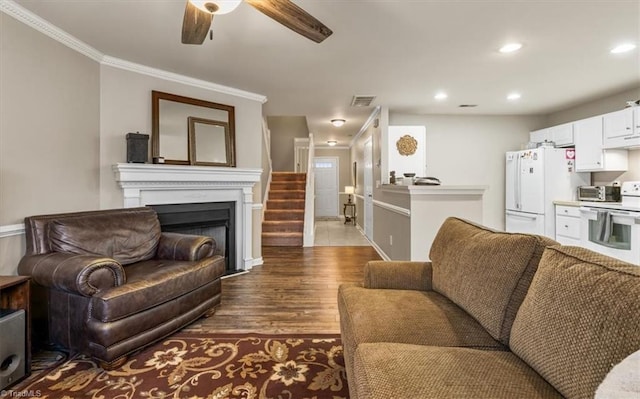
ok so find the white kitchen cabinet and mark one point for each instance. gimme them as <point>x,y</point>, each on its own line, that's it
<point>561,135</point>
<point>590,153</point>
<point>621,128</point>
<point>540,136</point>
<point>568,225</point>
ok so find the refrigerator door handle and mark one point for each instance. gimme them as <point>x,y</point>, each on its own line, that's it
<point>522,215</point>
<point>517,192</point>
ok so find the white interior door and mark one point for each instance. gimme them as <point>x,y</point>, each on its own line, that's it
<point>368,189</point>
<point>326,186</point>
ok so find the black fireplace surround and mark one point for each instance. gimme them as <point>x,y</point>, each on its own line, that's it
<point>201,219</point>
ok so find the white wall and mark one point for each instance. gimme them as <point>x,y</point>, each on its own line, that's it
<point>464,150</point>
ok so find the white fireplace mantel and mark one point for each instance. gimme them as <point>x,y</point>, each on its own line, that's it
<point>150,184</point>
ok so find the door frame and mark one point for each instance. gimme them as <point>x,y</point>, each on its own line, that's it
<point>367,157</point>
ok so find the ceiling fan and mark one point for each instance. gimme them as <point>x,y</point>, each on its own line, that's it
<point>198,16</point>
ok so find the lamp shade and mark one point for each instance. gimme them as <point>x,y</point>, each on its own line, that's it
<point>349,190</point>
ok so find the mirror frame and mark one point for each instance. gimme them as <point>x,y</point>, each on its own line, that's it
<point>156,96</point>
<point>229,142</point>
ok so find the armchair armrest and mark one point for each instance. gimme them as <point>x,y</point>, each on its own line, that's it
<point>80,274</point>
<point>175,246</point>
<point>398,275</point>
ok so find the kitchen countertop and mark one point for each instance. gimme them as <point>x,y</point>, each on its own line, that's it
<point>434,190</point>
<point>596,204</point>
<point>568,203</point>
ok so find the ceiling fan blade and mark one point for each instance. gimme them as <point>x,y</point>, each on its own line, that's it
<point>195,25</point>
<point>293,17</point>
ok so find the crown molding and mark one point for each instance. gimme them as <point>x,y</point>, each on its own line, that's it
<point>28,18</point>
<point>32,20</point>
<point>372,117</point>
<point>174,77</point>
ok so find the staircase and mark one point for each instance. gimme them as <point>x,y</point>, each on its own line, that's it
<point>283,223</point>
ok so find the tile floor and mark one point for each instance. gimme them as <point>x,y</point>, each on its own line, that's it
<point>334,233</point>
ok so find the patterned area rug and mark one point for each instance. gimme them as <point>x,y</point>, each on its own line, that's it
<point>204,366</point>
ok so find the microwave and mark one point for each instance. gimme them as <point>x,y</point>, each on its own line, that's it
<point>599,193</point>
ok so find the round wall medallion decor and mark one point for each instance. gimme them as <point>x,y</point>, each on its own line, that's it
<point>407,145</point>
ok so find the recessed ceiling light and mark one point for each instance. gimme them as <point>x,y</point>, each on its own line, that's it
<point>338,122</point>
<point>510,47</point>
<point>514,96</point>
<point>332,142</point>
<point>440,96</point>
<point>623,48</point>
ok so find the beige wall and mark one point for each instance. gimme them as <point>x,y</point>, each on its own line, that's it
<point>49,131</point>
<point>63,121</point>
<point>125,106</point>
<point>470,150</point>
<point>283,130</point>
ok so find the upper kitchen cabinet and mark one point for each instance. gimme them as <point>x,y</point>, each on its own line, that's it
<point>540,136</point>
<point>591,155</point>
<point>622,128</point>
<point>561,135</point>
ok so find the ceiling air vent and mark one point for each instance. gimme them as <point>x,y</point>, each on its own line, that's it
<point>362,101</point>
<point>467,105</point>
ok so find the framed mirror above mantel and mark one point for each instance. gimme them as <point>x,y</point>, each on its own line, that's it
<point>189,131</point>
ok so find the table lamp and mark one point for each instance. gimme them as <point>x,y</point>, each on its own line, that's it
<point>349,190</point>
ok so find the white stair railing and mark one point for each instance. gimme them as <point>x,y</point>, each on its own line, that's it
<point>310,199</point>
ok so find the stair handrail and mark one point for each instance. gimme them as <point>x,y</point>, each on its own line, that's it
<point>309,202</point>
<point>266,135</point>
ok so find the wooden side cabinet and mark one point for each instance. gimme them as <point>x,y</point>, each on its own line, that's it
<point>14,294</point>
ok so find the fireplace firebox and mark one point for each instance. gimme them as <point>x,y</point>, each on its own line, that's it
<point>213,219</point>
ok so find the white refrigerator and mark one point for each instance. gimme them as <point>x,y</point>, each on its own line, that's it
<point>534,179</point>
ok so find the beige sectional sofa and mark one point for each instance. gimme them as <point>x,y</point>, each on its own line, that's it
<point>492,315</point>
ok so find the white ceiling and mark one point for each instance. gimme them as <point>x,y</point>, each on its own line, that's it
<point>401,51</point>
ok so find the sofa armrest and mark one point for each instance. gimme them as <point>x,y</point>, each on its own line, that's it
<point>80,274</point>
<point>398,275</point>
<point>175,246</point>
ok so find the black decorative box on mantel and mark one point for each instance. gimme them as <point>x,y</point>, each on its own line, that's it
<point>137,147</point>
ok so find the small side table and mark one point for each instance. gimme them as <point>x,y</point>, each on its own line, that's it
<point>14,294</point>
<point>349,212</point>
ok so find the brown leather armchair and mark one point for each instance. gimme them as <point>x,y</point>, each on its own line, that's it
<point>107,283</point>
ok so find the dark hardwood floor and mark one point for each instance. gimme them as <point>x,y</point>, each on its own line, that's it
<point>294,291</point>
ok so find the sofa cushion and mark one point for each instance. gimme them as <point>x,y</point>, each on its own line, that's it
<point>400,371</point>
<point>485,272</point>
<point>127,237</point>
<point>579,319</point>
<point>406,316</point>
<point>152,283</point>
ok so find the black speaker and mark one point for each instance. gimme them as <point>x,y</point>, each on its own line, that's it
<point>137,148</point>
<point>13,362</point>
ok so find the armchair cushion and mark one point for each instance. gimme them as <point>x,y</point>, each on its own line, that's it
<point>152,283</point>
<point>126,237</point>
